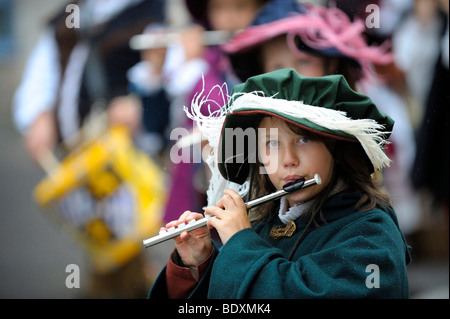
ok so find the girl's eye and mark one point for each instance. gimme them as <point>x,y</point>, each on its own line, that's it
<point>273,143</point>
<point>303,140</point>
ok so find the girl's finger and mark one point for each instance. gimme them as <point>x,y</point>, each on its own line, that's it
<point>220,203</point>
<point>162,229</point>
<point>184,215</point>
<point>215,211</point>
<point>212,222</point>
<point>179,220</point>
<point>184,236</point>
<point>192,216</point>
<point>237,199</point>
<point>171,224</point>
<point>227,202</point>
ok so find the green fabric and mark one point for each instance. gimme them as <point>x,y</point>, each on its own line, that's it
<point>331,92</point>
<point>330,262</point>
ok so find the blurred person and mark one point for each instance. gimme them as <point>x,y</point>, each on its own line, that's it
<point>54,86</point>
<point>416,46</point>
<point>146,80</point>
<point>430,171</point>
<point>187,66</point>
<point>420,45</point>
<point>72,75</point>
<point>308,38</point>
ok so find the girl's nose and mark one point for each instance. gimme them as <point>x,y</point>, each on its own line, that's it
<point>290,158</point>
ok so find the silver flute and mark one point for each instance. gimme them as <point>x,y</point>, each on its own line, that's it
<point>173,232</point>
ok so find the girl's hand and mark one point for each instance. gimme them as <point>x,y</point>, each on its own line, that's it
<point>195,246</point>
<point>231,215</point>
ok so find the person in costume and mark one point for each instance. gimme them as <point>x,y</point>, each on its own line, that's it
<point>58,93</point>
<point>312,39</point>
<point>347,242</point>
<point>201,66</point>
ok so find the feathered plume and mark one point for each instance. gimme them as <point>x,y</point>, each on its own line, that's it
<point>209,120</point>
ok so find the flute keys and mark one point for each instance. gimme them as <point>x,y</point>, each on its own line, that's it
<point>174,228</point>
<point>173,232</point>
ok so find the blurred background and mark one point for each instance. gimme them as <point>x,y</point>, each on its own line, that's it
<point>35,250</point>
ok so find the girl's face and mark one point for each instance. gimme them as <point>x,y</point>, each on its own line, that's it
<point>288,156</point>
<point>231,15</point>
<point>276,55</point>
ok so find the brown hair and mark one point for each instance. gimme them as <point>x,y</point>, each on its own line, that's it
<point>351,165</point>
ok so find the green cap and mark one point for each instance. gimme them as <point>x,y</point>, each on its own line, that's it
<point>324,105</point>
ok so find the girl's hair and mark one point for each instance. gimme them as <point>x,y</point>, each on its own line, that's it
<point>351,165</point>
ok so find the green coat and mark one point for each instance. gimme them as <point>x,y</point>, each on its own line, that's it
<point>354,255</point>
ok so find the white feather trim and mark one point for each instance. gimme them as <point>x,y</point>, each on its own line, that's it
<point>209,120</point>
<point>368,132</point>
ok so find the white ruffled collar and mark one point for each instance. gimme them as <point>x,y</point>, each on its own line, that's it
<point>287,214</point>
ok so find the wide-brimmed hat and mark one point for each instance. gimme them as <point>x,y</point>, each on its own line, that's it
<point>321,31</point>
<point>326,105</point>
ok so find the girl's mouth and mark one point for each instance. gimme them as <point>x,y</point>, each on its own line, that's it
<point>291,178</point>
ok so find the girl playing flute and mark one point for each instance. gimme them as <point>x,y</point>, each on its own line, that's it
<point>339,239</point>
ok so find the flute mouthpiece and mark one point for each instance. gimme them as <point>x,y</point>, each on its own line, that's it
<point>294,186</point>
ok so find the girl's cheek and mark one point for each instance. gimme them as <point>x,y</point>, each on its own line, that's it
<point>271,164</point>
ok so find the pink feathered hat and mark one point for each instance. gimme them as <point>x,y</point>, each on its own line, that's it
<point>321,31</point>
